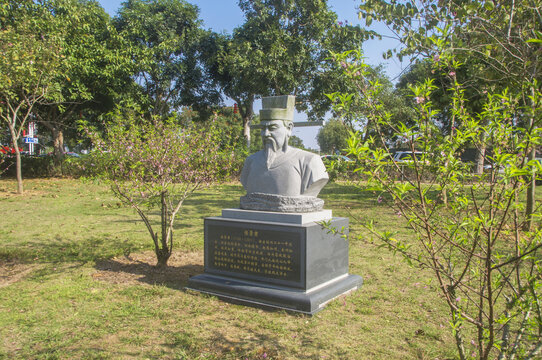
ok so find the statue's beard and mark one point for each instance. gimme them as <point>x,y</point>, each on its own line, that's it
<point>270,152</point>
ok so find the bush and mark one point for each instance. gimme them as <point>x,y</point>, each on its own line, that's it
<point>156,165</point>
<point>31,166</point>
<point>470,228</point>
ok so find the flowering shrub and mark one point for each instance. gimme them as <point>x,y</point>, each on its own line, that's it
<point>469,227</point>
<point>155,164</point>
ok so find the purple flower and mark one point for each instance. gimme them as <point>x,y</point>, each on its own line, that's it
<point>264,355</point>
<point>344,65</point>
<point>436,58</point>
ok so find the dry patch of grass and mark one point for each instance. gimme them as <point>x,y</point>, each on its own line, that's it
<point>139,268</point>
<point>11,272</point>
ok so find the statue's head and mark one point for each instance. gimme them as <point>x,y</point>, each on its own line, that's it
<point>276,121</point>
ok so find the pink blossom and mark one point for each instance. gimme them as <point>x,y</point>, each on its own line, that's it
<point>419,99</point>
<point>436,58</point>
<point>451,73</point>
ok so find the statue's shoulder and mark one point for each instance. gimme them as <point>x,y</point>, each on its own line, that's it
<point>256,155</point>
<point>304,154</point>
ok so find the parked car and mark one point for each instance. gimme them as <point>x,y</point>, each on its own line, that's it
<point>406,156</point>
<point>335,158</point>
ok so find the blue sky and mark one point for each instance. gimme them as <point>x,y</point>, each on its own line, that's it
<point>225,15</point>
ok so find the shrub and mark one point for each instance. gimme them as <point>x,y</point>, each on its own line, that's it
<point>469,227</point>
<point>157,165</point>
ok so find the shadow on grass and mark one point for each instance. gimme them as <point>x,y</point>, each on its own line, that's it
<point>62,249</point>
<point>127,269</point>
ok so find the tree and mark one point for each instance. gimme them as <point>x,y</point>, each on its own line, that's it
<point>30,52</point>
<point>470,236</point>
<point>280,49</point>
<point>296,142</point>
<point>155,165</point>
<point>355,79</point>
<point>95,67</point>
<point>165,38</point>
<point>332,136</point>
<point>501,41</point>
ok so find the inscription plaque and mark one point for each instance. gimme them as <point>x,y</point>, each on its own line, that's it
<point>254,252</point>
<point>274,254</point>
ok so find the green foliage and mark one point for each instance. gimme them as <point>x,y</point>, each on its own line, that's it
<point>468,226</point>
<point>158,165</point>
<point>332,137</point>
<point>493,40</point>
<point>357,78</point>
<point>165,38</point>
<point>32,166</point>
<point>30,53</point>
<point>282,48</point>
<point>296,142</point>
<point>96,67</point>
<point>340,169</point>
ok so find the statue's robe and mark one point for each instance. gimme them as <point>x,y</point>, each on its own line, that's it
<point>294,173</point>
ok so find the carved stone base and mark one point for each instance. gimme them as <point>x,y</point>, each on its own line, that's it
<point>281,203</point>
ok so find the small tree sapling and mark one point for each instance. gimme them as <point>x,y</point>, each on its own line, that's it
<point>156,164</point>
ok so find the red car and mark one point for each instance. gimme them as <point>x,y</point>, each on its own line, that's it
<point>4,149</point>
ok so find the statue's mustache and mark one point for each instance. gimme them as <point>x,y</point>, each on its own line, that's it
<point>270,141</point>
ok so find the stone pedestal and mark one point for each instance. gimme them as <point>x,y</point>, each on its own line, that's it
<point>280,260</point>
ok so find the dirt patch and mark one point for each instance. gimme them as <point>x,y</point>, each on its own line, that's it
<point>140,267</point>
<point>11,272</point>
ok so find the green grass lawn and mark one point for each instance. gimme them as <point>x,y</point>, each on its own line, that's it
<point>77,282</point>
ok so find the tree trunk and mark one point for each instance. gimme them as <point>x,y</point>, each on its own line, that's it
<point>58,146</point>
<point>163,254</point>
<point>18,167</point>
<point>479,159</point>
<point>246,110</point>
<point>246,130</point>
<point>531,189</point>
<point>162,257</point>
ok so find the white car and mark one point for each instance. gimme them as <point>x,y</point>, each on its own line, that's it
<point>406,156</point>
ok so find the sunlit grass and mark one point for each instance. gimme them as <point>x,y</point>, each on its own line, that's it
<point>62,230</point>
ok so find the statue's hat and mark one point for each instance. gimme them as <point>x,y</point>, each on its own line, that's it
<point>278,108</point>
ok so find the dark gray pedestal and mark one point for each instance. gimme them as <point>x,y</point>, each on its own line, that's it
<point>298,267</point>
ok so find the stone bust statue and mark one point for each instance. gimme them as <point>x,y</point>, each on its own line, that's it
<point>280,177</point>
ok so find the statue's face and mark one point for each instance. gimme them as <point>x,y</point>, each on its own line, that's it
<point>275,134</point>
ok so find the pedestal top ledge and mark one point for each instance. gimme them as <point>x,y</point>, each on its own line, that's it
<point>270,216</point>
